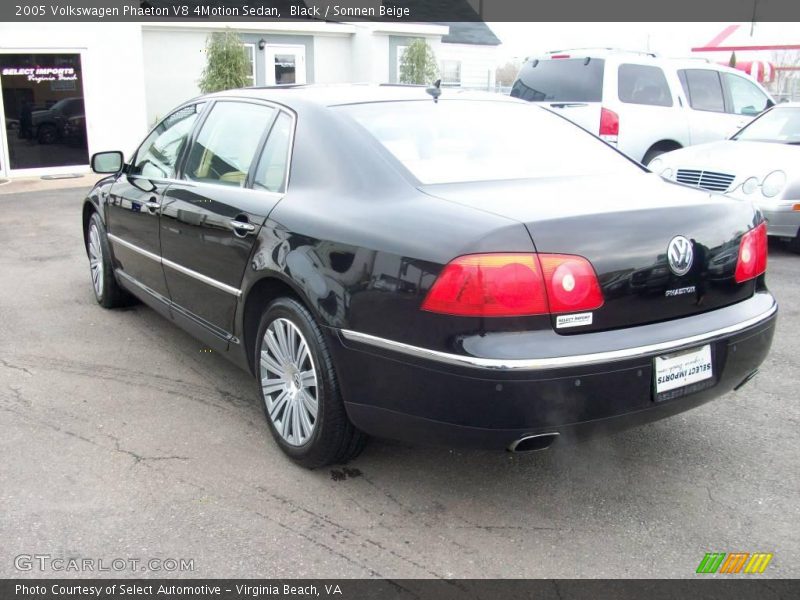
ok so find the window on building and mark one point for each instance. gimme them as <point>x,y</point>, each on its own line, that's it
<point>157,156</point>
<point>227,143</point>
<point>401,50</point>
<point>643,84</point>
<point>451,72</point>
<point>43,110</point>
<point>250,52</point>
<point>703,88</point>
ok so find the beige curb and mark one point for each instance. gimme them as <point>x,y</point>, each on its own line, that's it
<point>37,184</point>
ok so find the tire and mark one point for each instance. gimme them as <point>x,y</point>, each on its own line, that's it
<point>290,389</point>
<point>47,134</point>
<point>106,289</point>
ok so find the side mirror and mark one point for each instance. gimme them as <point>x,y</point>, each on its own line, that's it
<point>107,162</point>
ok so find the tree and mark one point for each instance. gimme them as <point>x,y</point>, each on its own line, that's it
<point>732,61</point>
<point>507,74</point>
<point>784,84</point>
<point>227,65</point>
<point>418,64</point>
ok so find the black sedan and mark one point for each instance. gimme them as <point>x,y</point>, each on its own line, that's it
<point>464,270</point>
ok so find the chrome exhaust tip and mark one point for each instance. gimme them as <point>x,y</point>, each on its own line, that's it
<point>533,443</point>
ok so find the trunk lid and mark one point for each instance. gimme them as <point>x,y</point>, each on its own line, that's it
<point>624,226</point>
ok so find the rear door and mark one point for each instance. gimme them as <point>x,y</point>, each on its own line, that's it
<point>210,219</point>
<point>573,87</point>
<point>134,200</point>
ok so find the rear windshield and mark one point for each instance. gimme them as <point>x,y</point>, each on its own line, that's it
<point>474,140</point>
<point>561,80</point>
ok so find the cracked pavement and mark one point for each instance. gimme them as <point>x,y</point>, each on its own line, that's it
<point>121,438</point>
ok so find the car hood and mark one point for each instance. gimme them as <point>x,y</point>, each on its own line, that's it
<point>739,158</point>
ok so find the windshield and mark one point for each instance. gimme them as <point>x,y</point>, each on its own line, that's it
<point>468,140</point>
<point>781,125</point>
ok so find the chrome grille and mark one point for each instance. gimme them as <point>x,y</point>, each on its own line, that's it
<point>708,180</point>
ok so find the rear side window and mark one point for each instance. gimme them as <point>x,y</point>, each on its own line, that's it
<point>643,84</point>
<point>227,142</point>
<point>561,80</point>
<point>703,88</point>
<point>271,170</point>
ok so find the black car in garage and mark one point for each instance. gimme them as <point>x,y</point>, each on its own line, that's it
<point>464,269</point>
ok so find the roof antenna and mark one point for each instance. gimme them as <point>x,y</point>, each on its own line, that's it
<point>435,90</point>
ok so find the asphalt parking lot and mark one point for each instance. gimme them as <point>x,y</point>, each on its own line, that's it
<point>121,438</point>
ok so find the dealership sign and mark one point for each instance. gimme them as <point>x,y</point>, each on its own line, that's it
<point>39,74</point>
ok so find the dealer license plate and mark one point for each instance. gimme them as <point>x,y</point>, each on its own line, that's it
<point>678,373</point>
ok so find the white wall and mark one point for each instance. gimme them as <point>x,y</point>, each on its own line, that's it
<point>333,59</point>
<point>113,74</point>
<point>370,57</point>
<point>173,63</point>
<point>478,63</point>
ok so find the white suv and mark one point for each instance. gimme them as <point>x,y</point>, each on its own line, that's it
<point>644,104</point>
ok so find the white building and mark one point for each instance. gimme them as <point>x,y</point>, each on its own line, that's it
<point>72,89</point>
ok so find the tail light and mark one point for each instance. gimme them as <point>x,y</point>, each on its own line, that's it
<point>571,283</point>
<point>752,260</point>
<point>609,125</point>
<point>510,285</point>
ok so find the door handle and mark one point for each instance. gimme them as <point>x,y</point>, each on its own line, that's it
<point>152,206</point>
<point>242,228</point>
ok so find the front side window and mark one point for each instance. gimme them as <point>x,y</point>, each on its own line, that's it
<point>158,155</point>
<point>227,143</point>
<point>746,98</point>
<point>703,88</point>
<point>643,84</point>
<point>271,171</point>
<point>467,140</point>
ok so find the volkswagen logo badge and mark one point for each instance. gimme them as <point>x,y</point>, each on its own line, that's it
<point>680,255</point>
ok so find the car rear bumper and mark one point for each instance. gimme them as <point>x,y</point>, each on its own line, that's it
<point>489,396</point>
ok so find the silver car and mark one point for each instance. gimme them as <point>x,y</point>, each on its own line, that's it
<point>761,162</point>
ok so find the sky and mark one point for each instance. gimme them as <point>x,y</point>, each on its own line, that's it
<point>668,39</point>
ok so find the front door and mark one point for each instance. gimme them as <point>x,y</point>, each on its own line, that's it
<point>135,198</point>
<point>708,118</point>
<point>285,64</point>
<point>210,219</point>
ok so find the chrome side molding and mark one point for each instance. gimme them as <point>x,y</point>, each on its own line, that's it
<point>175,266</point>
<point>555,362</point>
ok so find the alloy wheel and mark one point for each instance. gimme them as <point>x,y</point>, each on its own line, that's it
<point>96,260</point>
<point>289,382</point>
